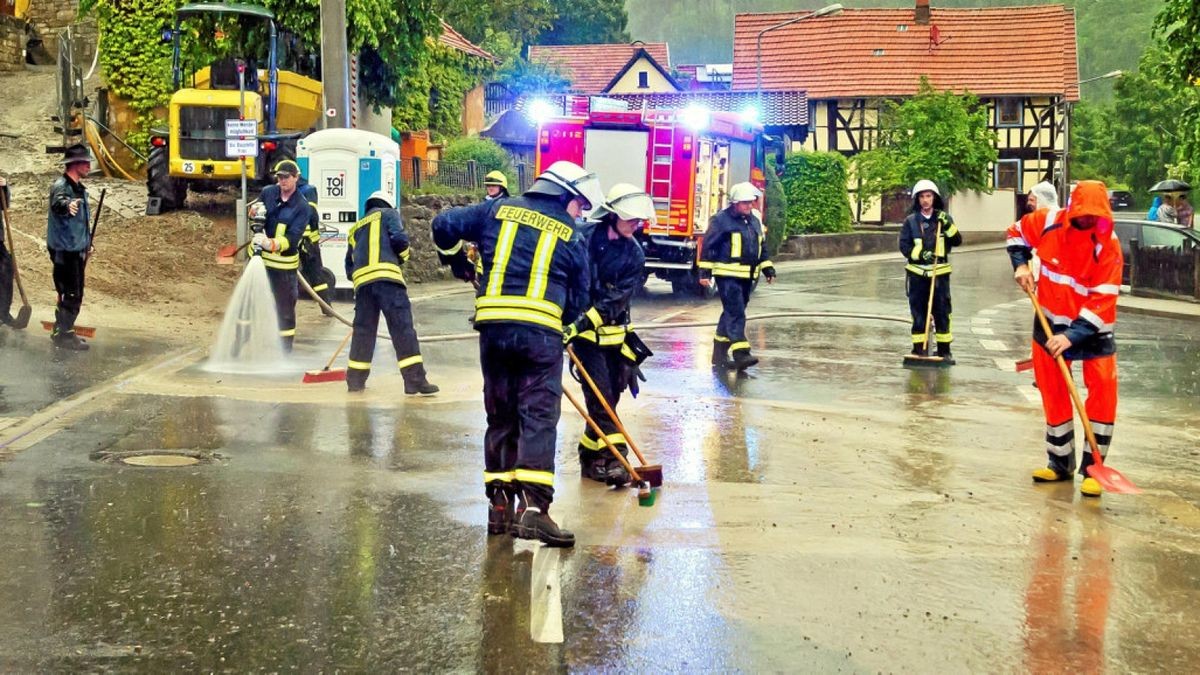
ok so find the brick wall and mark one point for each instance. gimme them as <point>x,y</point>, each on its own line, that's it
<point>12,44</point>
<point>50,16</point>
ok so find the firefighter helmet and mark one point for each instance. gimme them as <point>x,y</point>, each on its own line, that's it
<point>496,178</point>
<point>287,166</point>
<point>628,202</point>
<point>925,185</point>
<point>744,192</point>
<point>568,178</point>
<point>381,199</point>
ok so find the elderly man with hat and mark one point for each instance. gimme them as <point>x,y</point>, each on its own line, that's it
<point>69,243</point>
<point>733,255</point>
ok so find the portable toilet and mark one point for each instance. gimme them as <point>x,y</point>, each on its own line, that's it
<point>346,166</point>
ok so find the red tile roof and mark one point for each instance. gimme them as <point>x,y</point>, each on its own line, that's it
<point>453,39</point>
<point>882,52</point>
<point>591,67</point>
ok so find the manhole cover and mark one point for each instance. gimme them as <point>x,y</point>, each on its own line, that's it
<point>160,460</point>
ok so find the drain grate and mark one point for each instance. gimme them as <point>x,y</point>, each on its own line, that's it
<point>157,458</point>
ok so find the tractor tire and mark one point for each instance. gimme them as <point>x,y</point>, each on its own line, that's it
<point>159,183</point>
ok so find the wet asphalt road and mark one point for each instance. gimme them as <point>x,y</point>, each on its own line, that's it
<point>831,511</point>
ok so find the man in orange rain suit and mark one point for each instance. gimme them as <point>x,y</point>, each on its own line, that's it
<point>1077,288</point>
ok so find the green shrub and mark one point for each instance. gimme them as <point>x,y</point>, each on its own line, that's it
<point>777,207</point>
<point>814,185</point>
<point>487,154</point>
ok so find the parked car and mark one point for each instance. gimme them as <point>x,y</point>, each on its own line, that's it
<point>1120,199</point>
<point>1152,235</point>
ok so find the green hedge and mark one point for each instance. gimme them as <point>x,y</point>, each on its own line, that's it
<point>777,209</point>
<point>814,184</point>
<point>488,155</point>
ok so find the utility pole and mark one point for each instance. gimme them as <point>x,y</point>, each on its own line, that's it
<point>335,64</point>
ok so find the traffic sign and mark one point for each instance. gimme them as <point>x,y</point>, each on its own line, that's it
<point>241,147</point>
<point>241,129</point>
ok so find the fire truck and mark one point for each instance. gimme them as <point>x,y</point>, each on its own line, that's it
<point>686,159</point>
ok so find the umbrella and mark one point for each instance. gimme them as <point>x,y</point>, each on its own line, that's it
<point>1171,185</point>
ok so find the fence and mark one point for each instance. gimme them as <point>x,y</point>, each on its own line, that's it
<point>1164,270</point>
<point>419,173</point>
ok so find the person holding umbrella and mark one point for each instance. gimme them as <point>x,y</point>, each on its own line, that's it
<point>1175,207</point>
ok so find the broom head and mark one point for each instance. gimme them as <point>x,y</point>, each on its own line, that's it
<point>327,375</point>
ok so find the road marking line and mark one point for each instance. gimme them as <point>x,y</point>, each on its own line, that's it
<point>545,596</point>
<point>669,315</point>
<point>981,320</point>
<point>1031,394</point>
<point>981,330</point>
<point>989,312</point>
<point>993,345</point>
<point>1005,364</point>
<point>6,422</point>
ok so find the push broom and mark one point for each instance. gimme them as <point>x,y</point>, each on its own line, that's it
<point>653,473</point>
<point>23,314</point>
<point>1109,478</point>
<point>645,492</point>
<point>924,360</point>
<point>329,373</point>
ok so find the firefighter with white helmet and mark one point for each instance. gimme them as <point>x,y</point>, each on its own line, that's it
<point>733,254</point>
<point>377,247</point>
<point>496,185</point>
<point>534,283</point>
<point>602,338</point>
<point>926,237</point>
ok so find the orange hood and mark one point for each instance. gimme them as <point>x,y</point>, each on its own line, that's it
<point>1090,198</point>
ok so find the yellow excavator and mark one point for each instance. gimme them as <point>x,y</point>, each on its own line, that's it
<point>243,81</point>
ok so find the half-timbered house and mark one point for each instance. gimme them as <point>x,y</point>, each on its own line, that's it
<point>1019,61</point>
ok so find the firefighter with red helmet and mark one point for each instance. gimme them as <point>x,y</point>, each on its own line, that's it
<point>602,338</point>
<point>1077,288</point>
<point>734,253</point>
<point>535,282</point>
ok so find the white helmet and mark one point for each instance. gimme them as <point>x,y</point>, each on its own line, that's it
<point>923,185</point>
<point>380,196</point>
<point>571,179</point>
<point>744,192</point>
<point>1046,195</point>
<point>628,202</point>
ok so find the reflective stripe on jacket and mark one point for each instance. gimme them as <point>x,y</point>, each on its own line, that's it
<point>377,246</point>
<point>534,266</point>
<point>286,222</point>
<point>918,235</point>
<point>617,270</point>
<point>733,246</point>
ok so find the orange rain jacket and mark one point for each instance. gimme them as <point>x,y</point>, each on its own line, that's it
<point>1081,271</point>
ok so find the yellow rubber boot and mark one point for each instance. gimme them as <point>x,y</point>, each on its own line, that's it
<point>1048,475</point>
<point>1090,487</point>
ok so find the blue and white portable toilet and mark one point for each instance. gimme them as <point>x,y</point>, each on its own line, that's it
<point>346,166</point>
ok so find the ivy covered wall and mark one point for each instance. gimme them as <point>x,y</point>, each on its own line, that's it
<point>433,97</point>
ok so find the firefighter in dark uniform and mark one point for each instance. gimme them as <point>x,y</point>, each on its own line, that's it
<point>311,266</point>
<point>496,185</point>
<point>377,246</point>
<point>928,256</point>
<point>287,215</point>
<point>535,282</point>
<point>598,338</point>
<point>734,252</point>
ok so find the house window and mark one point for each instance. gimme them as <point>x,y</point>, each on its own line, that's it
<point>1008,174</point>
<point>1009,112</point>
<point>643,80</point>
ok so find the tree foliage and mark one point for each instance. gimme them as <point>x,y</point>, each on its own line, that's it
<point>431,95</point>
<point>523,20</point>
<point>582,22</point>
<point>814,186</point>
<point>519,74</point>
<point>939,136</point>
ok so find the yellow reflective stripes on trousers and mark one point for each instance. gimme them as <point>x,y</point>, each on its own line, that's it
<point>410,361</point>
<point>735,245</point>
<point>359,365</point>
<point>596,444</point>
<point>737,346</point>
<point>504,244</point>
<point>287,333</point>
<point>321,287</point>
<point>929,270</point>
<point>539,273</point>
<point>720,338</point>
<point>532,476</point>
<point>498,476</point>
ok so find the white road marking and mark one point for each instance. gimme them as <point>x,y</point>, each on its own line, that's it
<point>989,312</point>
<point>6,422</point>
<point>545,601</point>
<point>1008,365</point>
<point>993,345</point>
<point>981,330</point>
<point>982,321</point>
<point>1030,393</point>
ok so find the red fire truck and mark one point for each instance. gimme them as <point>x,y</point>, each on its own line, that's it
<point>686,159</point>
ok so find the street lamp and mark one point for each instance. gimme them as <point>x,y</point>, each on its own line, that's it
<point>828,10</point>
<point>1064,188</point>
